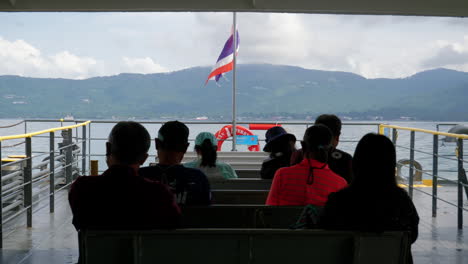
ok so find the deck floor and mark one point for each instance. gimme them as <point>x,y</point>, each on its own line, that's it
<point>53,239</point>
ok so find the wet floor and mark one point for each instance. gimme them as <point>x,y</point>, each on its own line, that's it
<point>53,239</point>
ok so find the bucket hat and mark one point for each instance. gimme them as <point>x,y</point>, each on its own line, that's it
<point>274,134</point>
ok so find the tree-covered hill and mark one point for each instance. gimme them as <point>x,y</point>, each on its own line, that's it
<point>267,90</point>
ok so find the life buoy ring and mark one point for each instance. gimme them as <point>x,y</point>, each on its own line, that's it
<point>226,132</point>
<point>417,169</point>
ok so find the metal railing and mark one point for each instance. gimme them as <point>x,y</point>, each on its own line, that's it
<point>23,185</point>
<point>461,182</point>
<point>96,141</point>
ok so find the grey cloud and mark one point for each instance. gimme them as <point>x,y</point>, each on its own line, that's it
<point>446,56</point>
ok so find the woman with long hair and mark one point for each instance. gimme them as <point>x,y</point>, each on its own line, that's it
<point>206,147</point>
<point>373,201</point>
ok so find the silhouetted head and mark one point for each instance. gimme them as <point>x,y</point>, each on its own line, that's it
<point>278,140</point>
<point>128,144</point>
<point>206,145</point>
<point>333,123</point>
<point>317,142</point>
<point>173,136</point>
<point>374,162</point>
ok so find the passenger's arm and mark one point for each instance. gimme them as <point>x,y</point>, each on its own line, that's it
<point>329,216</point>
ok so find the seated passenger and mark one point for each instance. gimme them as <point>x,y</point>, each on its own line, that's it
<point>338,160</point>
<point>190,186</point>
<point>281,145</point>
<point>311,181</point>
<point>120,198</point>
<point>206,146</point>
<point>373,201</point>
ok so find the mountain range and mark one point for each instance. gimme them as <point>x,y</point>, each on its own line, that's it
<point>263,91</point>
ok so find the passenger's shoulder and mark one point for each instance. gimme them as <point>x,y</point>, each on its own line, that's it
<point>194,172</point>
<point>148,169</point>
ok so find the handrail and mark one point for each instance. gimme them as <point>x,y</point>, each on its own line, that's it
<point>459,136</point>
<point>28,135</point>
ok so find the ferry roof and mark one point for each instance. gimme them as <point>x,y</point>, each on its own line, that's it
<point>455,8</point>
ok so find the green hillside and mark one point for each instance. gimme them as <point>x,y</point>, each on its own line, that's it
<point>262,90</point>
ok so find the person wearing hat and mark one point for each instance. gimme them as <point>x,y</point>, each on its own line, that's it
<point>280,144</point>
<point>206,146</point>
<point>190,186</point>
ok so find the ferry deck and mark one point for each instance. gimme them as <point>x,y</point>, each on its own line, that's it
<point>35,235</point>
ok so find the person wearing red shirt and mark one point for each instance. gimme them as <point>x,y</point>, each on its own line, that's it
<point>310,181</point>
<point>120,198</point>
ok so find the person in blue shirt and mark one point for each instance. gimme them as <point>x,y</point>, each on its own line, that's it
<point>190,186</point>
<point>206,146</point>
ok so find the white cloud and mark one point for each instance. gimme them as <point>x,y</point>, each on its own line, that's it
<point>21,58</point>
<point>141,65</point>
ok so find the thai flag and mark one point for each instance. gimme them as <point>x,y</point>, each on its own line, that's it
<point>225,61</point>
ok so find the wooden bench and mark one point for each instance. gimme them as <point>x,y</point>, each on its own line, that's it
<point>240,216</point>
<point>241,184</point>
<point>241,246</point>
<point>226,196</point>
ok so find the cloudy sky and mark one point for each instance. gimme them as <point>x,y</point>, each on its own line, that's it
<point>82,45</point>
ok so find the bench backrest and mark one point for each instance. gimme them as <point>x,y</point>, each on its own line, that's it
<point>240,216</point>
<point>240,246</point>
<point>224,196</point>
<point>241,184</point>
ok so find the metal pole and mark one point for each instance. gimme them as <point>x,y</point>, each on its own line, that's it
<point>28,183</point>
<point>460,187</point>
<point>1,200</point>
<point>68,157</point>
<point>394,136</point>
<point>52,172</point>
<point>83,152</point>
<point>411,167</point>
<point>234,34</point>
<point>89,143</point>
<point>435,172</point>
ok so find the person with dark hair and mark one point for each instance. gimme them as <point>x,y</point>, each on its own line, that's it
<point>120,198</point>
<point>206,147</point>
<point>338,160</point>
<point>311,181</point>
<point>280,144</point>
<point>190,186</point>
<point>373,201</point>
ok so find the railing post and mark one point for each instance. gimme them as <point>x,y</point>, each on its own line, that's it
<point>394,136</point>
<point>89,144</point>
<point>27,176</point>
<point>83,152</point>
<point>435,173</point>
<point>52,172</point>
<point>460,187</point>
<point>411,167</point>
<point>68,157</point>
<point>1,199</point>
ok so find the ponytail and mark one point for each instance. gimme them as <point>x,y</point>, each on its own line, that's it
<point>208,153</point>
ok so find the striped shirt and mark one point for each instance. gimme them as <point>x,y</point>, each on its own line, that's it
<point>309,182</point>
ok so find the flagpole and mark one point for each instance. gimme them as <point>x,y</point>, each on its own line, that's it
<point>234,82</point>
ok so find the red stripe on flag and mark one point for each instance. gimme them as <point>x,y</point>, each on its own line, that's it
<point>220,70</point>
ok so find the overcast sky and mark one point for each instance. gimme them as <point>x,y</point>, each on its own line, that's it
<point>82,45</point>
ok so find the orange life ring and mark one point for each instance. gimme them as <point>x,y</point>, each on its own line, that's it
<point>226,132</point>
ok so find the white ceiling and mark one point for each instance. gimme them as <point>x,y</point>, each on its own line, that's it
<point>457,8</point>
